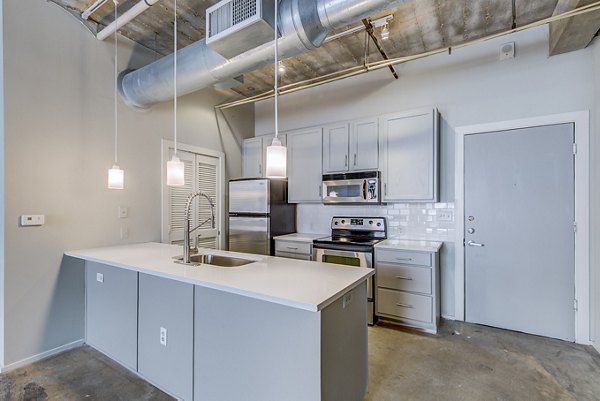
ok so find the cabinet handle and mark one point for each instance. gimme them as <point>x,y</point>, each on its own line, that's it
<point>346,161</point>
<point>385,189</point>
<point>405,306</point>
<point>260,169</point>
<point>292,247</point>
<point>320,191</point>
<point>355,159</point>
<point>406,259</point>
<point>404,278</point>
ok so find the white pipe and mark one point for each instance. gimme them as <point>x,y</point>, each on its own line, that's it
<point>93,8</point>
<point>133,12</point>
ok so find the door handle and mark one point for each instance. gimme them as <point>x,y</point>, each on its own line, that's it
<point>473,243</point>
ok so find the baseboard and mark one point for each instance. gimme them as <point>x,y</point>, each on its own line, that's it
<point>596,345</point>
<point>43,355</point>
<point>448,317</point>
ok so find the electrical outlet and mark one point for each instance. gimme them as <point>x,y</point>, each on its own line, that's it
<point>31,220</point>
<point>163,336</point>
<point>346,300</point>
<point>100,277</point>
<point>445,216</point>
<point>123,212</point>
<point>124,233</point>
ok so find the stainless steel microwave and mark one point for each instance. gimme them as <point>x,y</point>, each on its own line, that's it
<point>349,188</point>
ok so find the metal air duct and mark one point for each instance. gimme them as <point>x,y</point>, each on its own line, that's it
<point>303,25</point>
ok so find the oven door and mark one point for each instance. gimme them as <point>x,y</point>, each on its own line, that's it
<point>348,258</point>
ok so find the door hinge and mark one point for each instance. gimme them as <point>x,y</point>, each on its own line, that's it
<point>575,305</point>
<point>574,148</point>
<point>574,226</point>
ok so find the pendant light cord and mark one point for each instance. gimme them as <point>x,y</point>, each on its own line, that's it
<point>276,70</point>
<point>116,82</point>
<point>175,77</point>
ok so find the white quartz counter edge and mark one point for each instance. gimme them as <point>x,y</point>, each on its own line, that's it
<point>410,245</point>
<point>301,237</point>
<point>299,284</point>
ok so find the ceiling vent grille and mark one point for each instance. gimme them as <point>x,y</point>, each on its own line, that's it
<point>236,26</point>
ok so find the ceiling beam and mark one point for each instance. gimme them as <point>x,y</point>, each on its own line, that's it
<point>573,33</point>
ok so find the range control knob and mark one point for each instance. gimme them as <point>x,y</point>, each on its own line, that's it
<point>336,223</point>
<point>378,224</point>
<point>343,221</point>
<point>370,221</point>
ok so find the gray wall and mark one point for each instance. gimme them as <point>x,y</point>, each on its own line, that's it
<point>58,131</point>
<point>470,86</point>
<point>595,202</point>
<point>1,183</point>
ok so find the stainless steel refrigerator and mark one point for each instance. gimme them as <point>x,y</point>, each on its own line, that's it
<point>258,211</point>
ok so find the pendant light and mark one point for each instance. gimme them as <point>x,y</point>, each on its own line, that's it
<point>276,153</point>
<point>385,31</point>
<point>115,174</point>
<point>175,168</point>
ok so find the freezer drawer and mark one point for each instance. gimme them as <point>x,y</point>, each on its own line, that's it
<point>250,235</point>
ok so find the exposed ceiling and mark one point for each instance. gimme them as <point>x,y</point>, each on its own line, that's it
<point>417,26</point>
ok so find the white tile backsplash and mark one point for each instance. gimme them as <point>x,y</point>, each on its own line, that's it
<point>405,220</point>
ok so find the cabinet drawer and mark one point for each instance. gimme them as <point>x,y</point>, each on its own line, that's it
<point>406,278</point>
<point>403,257</point>
<point>293,247</point>
<point>404,305</point>
<point>291,255</point>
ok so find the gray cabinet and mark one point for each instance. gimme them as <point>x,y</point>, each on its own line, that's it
<point>409,156</point>
<point>408,287</point>
<point>293,249</point>
<point>254,155</point>
<point>166,327</point>
<point>351,146</point>
<point>111,312</point>
<point>304,165</point>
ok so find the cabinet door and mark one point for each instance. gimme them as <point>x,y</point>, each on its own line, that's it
<point>335,148</point>
<point>364,144</point>
<point>111,312</point>
<point>252,157</point>
<point>409,148</point>
<point>304,165</point>
<point>166,307</point>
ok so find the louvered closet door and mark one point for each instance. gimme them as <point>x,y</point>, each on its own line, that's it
<point>207,181</point>
<point>178,197</point>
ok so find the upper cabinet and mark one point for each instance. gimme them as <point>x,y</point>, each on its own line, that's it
<point>304,165</point>
<point>409,156</point>
<point>351,146</point>
<point>254,155</point>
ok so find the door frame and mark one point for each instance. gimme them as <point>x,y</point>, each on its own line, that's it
<point>581,121</point>
<point>165,145</point>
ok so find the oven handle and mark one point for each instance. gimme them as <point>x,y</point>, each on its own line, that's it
<point>348,248</point>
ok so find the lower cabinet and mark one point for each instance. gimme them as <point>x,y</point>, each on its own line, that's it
<point>166,340</point>
<point>408,287</point>
<point>293,249</point>
<point>111,312</point>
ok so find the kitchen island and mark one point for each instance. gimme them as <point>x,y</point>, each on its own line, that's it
<point>270,330</point>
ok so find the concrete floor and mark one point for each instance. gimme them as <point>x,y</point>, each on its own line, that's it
<point>464,362</point>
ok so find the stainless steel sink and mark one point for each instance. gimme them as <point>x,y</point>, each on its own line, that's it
<point>215,260</point>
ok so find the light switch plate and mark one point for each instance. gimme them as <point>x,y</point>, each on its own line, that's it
<point>31,220</point>
<point>123,212</point>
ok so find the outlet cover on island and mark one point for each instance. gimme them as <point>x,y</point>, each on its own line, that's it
<point>163,336</point>
<point>31,220</point>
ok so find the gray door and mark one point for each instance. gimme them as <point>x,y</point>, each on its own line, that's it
<point>519,238</point>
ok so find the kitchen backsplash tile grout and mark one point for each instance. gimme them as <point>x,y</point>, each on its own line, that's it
<point>419,221</point>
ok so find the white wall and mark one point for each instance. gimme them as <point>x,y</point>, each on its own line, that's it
<point>58,82</point>
<point>595,201</point>
<point>470,86</point>
<point>1,182</point>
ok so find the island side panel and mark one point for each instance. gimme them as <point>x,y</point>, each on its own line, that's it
<point>111,312</point>
<point>344,347</point>
<point>253,350</point>
<point>168,304</point>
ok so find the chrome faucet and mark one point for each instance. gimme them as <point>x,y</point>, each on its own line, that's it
<point>186,229</point>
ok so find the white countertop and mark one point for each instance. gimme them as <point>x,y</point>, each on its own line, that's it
<point>296,283</point>
<point>301,237</point>
<point>410,245</point>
